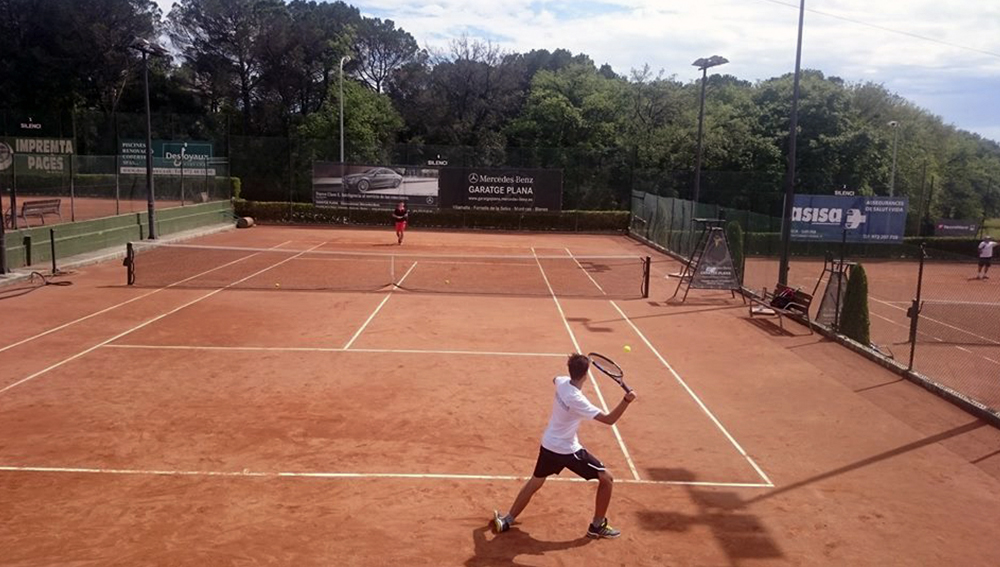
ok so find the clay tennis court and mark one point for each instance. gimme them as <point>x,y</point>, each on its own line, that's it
<point>84,208</point>
<point>231,424</point>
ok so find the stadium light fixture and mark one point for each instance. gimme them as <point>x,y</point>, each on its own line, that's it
<point>786,217</point>
<point>704,64</point>
<point>149,49</point>
<point>895,135</point>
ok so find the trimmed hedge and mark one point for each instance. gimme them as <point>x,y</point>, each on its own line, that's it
<point>734,233</point>
<point>939,248</point>
<point>307,213</point>
<point>854,318</point>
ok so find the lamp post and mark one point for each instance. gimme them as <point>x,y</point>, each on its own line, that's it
<point>703,64</point>
<point>342,60</point>
<point>786,216</point>
<point>895,135</point>
<point>149,49</point>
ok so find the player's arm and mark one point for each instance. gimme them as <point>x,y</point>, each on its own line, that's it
<point>611,418</point>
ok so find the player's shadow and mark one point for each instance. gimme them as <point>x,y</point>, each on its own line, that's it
<point>741,535</point>
<point>504,549</point>
<point>590,324</point>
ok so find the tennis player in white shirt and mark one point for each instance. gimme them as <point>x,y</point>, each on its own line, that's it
<point>985,258</point>
<point>562,449</point>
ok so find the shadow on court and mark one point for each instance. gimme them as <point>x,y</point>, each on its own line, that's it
<point>742,536</point>
<point>504,548</point>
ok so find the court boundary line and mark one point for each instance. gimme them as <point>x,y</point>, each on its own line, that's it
<point>126,302</point>
<point>395,285</point>
<point>135,328</point>
<point>335,349</point>
<point>590,374</point>
<point>584,270</point>
<point>695,397</point>
<point>357,475</point>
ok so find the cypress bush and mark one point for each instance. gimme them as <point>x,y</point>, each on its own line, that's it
<point>854,321</point>
<point>734,232</point>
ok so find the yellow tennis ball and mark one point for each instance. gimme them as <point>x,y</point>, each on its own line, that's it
<point>277,285</point>
<point>628,348</point>
<point>447,281</point>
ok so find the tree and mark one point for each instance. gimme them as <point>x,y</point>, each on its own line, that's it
<point>854,318</point>
<point>370,125</point>
<point>226,37</point>
<point>381,51</point>
<point>69,54</point>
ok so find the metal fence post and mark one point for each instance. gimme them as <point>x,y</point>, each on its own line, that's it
<point>914,311</point>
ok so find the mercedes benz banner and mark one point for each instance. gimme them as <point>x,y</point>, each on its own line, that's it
<point>488,189</point>
<point>825,218</point>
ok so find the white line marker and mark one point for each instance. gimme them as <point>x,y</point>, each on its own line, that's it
<point>337,349</point>
<point>694,396</point>
<point>597,388</point>
<point>105,310</point>
<point>379,308</point>
<point>344,475</point>
<point>137,327</point>
<point>585,271</point>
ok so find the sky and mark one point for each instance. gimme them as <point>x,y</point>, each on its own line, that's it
<point>942,55</point>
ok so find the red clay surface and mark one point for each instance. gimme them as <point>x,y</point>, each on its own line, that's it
<point>959,348</point>
<point>84,208</point>
<point>236,427</point>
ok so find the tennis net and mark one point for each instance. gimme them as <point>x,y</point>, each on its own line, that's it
<point>159,265</point>
<point>959,322</point>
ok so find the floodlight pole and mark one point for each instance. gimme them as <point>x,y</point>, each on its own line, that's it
<point>147,49</point>
<point>342,60</point>
<point>704,65</point>
<point>892,177</point>
<point>786,217</point>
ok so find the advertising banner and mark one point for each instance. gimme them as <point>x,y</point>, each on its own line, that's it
<point>374,186</point>
<point>825,218</point>
<point>36,155</point>
<point>715,269</point>
<point>167,157</point>
<point>486,189</point>
<point>951,227</point>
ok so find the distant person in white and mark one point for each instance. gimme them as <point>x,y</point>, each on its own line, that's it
<point>985,258</point>
<point>562,449</point>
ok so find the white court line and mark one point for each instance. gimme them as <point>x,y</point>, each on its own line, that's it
<point>694,396</point>
<point>105,310</point>
<point>341,475</point>
<point>379,308</point>
<point>338,349</point>
<point>585,271</point>
<point>931,336</point>
<point>597,388</point>
<point>959,329</point>
<point>137,327</point>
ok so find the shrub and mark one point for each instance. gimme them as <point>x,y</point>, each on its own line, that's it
<point>854,321</point>
<point>734,232</point>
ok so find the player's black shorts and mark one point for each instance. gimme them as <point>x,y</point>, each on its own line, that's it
<point>985,262</point>
<point>581,462</point>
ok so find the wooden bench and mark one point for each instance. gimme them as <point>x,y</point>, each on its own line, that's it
<point>38,208</point>
<point>797,307</point>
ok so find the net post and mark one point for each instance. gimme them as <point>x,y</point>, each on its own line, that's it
<point>645,277</point>
<point>914,311</point>
<point>52,249</point>
<point>129,264</point>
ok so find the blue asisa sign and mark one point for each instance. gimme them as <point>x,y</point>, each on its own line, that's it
<point>824,218</point>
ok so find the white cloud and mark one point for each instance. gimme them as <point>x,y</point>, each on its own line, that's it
<point>857,40</point>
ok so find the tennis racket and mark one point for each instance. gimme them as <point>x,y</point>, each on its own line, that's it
<point>608,366</point>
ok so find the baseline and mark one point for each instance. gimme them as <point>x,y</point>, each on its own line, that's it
<point>344,475</point>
